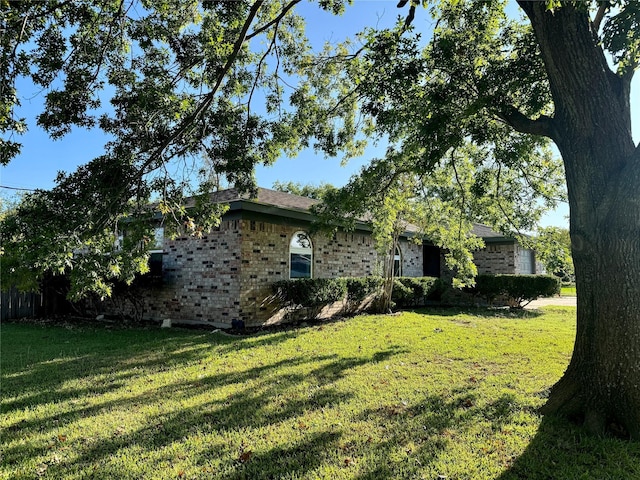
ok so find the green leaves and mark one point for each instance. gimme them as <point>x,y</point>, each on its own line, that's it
<point>183,80</point>
<point>621,37</point>
<point>553,246</point>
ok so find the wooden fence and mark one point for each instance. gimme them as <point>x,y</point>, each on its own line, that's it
<point>15,304</point>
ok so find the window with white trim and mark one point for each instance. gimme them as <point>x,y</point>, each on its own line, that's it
<point>156,253</point>
<point>300,256</point>
<point>397,263</point>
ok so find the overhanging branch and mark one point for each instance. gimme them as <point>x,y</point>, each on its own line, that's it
<point>542,126</point>
<point>264,27</point>
<point>602,10</point>
<point>188,121</point>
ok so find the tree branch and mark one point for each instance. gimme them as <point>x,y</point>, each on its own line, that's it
<point>259,72</point>
<point>463,200</point>
<point>116,17</point>
<point>208,98</point>
<point>202,107</point>
<point>499,203</point>
<point>604,6</point>
<point>542,126</point>
<point>284,12</point>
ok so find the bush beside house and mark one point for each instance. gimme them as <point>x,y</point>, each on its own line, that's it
<point>516,290</point>
<point>339,296</point>
<point>356,294</point>
<point>415,291</point>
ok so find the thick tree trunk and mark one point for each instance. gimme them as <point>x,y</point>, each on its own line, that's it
<point>591,126</point>
<point>602,382</point>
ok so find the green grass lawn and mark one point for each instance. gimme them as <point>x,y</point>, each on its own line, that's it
<point>433,395</point>
<point>568,291</point>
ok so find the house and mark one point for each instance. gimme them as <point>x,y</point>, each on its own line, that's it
<point>224,278</point>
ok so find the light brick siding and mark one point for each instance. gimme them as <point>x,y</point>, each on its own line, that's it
<point>496,258</point>
<point>506,258</point>
<point>225,277</point>
<point>201,281</point>
<point>265,260</point>
<point>411,254</point>
<point>202,275</point>
<point>344,255</point>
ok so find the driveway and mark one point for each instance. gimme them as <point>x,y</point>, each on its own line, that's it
<point>558,301</point>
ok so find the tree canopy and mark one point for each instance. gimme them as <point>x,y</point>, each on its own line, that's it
<point>309,190</point>
<point>169,81</point>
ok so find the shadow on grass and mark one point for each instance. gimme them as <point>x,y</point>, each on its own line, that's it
<point>294,460</point>
<point>561,449</point>
<point>35,371</point>
<point>261,396</point>
<point>416,435</point>
<point>486,312</point>
<point>254,406</point>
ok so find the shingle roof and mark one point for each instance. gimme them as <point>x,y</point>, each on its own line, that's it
<point>266,197</point>
<point>485,231</point>
<point>289,201</point>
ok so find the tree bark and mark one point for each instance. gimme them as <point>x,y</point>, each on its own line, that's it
<point>592,129</point>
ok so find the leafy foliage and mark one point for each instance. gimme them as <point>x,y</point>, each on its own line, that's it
<point>413,291</point>
<point>309,190</point>
<point>553,247</point>
<point>170,82</point>
<point>460,149</point>
<point>359,288</point>
<point>311,292</point>
<point>407,291</point>
<point>519,290</point>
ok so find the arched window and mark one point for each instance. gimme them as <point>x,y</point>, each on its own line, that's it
<point>397,263</point>
<point>300,256</point>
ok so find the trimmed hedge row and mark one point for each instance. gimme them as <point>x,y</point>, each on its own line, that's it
<point>518,289</point>
<point>359,288</point>
<point>316,292</point>
<point>311,292</point>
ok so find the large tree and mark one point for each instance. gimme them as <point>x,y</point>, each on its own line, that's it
<point>591,125</point>
<point>183,76</point>
<point>510,86</point>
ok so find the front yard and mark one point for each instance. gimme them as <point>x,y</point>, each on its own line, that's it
<point>434,395</point>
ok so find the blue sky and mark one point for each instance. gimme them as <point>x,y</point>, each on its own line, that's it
<point>42,158</point>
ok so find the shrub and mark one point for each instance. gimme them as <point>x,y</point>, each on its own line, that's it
<point>311,292</point>
<point>438,288</point>
<point>359,288</point>
<point>412,291</point>
<point>317,292</point>
<point>402,295</point>
<point>518,289</point>
<point>362,293</point>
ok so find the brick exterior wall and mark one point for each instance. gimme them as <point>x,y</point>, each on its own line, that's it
<point>496,258</point>
<point>202,275</point>
<point>265,260</point>
<point>411,255</point>
<point>224,278</point>
<point>201,282</point>
<point>504,258</point>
